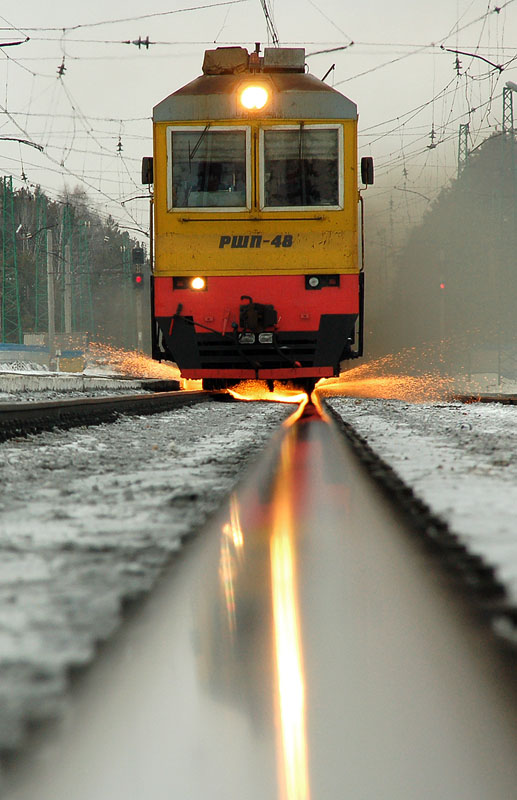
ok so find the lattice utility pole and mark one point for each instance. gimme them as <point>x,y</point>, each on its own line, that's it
<point>463,146</point>
<point>507,110</point>
<point>82,308</point>
<point>505,205</point>
<point>11,316</point>
<point>40,259</point>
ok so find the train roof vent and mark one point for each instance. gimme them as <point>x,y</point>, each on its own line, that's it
<point>284,59</point>
<point>225,61</point>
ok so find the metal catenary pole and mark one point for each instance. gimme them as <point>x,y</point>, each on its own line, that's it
<point>51,301</point>
<point>40,265</point>
<point>83,319</point>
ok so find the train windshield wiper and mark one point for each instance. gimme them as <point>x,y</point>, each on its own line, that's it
<point>192,153</point>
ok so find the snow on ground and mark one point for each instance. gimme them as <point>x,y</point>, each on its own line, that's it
<point>23,381</point>
<point>23,366</point>
<point>35,387</point>
<point>40,395</point>
<point>459,459</point>
<point>88,517</point>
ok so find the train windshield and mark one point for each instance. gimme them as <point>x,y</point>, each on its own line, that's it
<point>301,167</point>
<point>209,168</point>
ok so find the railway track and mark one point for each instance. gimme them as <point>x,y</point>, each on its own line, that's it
<point>307,645</point>
<point>20,419</point>
<point>505,399</point>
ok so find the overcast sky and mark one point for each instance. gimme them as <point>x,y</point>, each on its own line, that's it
<point>393,70</point>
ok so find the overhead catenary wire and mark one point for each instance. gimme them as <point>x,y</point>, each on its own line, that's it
<point>490,11</point>
<point>138,18</point>
<point>270,25</point>
<point>83,128</point>
<point>57,198</point>
<point>71,172</point>
<point>329,19</point>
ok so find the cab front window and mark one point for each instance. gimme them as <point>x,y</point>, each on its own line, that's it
<point>302,167</point>
<point>209,168</point>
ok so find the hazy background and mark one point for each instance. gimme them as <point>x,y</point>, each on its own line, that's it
<point>94,119</point>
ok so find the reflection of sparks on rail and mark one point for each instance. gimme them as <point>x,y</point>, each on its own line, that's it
<point>226,572</point>
<point>232,536</point>
<point>233,528</point>
<point>295,416</point>
<point>293,766</point>
<point>257,390</point>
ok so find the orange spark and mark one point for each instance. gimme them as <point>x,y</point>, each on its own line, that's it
<point>258,390</point>
<point>137,365</point>
<point>384,378</point>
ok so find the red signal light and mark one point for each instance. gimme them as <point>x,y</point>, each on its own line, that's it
<point>442,286</point>
<point>138,279</point>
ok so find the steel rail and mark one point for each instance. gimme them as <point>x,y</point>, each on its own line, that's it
<point>19,419</point>
<point>505,399</point>
<point>305,647</point>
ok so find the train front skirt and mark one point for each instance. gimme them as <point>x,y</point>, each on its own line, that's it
<point>257,327</point>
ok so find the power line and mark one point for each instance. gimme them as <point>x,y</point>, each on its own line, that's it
<point>381,66</point>
<point>332,22</point>
<point>473,55</point>
<point>64,29</point>
<point>66,144</point>
<point>22,141</point>
<point>329,50</point>
<point>13,44</point>
<point>69,171</point>
<point>494,10</point>
<point>269,22</point>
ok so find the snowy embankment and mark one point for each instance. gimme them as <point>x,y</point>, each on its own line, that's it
<point>31,386</point>
<point>88,518</point>
<point>459,459</point>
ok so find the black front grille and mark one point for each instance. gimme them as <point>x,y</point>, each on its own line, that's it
<point>218,353</point>
<point>191,349</point>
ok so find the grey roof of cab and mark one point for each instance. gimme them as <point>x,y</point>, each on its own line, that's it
<point>295,96</point>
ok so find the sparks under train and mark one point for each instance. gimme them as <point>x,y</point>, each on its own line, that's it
<point>257,271</point>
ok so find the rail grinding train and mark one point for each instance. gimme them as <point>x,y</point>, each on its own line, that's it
<point>257,269</point>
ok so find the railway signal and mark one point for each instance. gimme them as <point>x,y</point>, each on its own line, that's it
<point>138,260</point>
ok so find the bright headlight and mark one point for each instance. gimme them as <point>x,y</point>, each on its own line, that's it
<point>198,283</point>
<point>254,97</point>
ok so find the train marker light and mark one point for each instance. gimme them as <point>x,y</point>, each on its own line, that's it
<point>198,284</point>
<point>254,97</point>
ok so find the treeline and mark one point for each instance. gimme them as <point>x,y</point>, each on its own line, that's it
<point>456,276</point>
<point>98,254</point>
